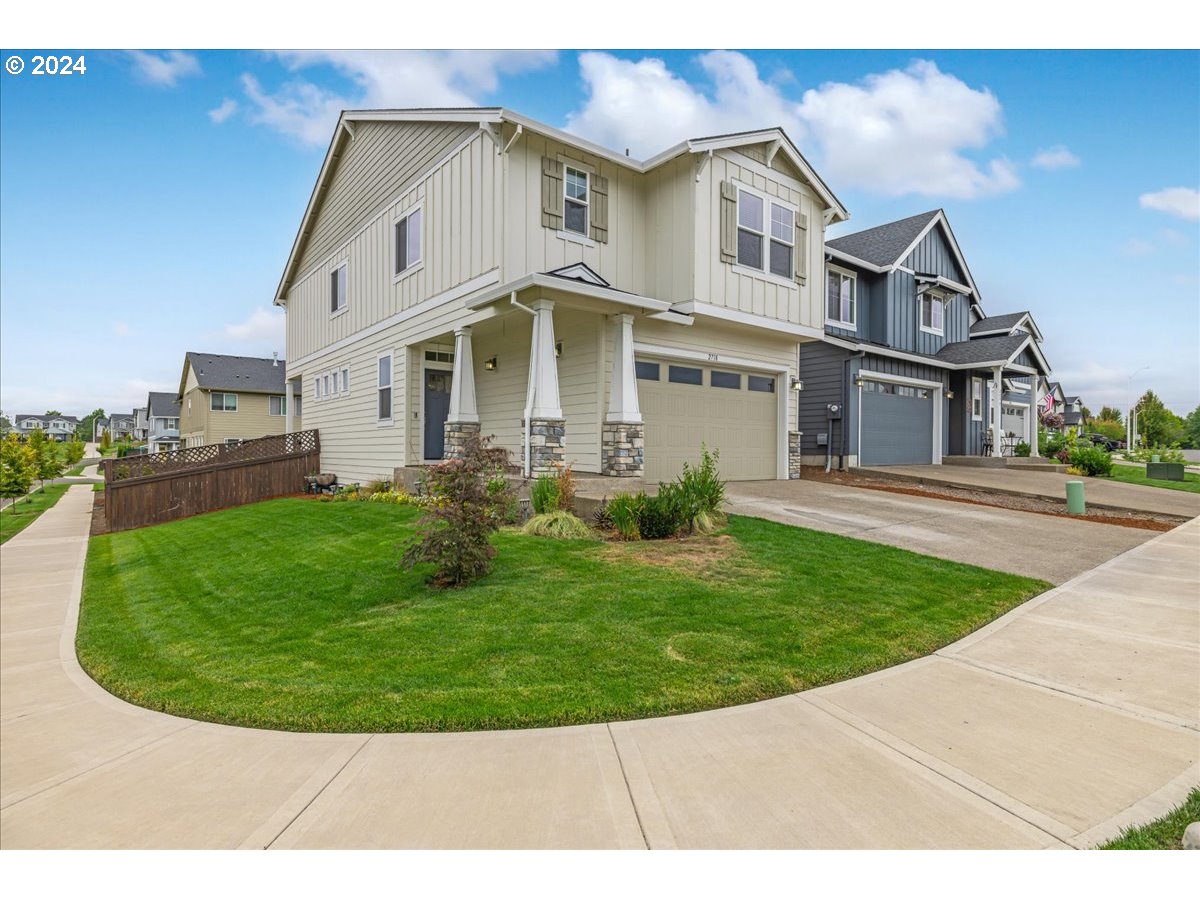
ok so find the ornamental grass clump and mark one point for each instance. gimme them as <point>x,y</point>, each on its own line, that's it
<point>622,510</point>
<point>552,498</point>
<point>464,508</point>
<point>558,523</point>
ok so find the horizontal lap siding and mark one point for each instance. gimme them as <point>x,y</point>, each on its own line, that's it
<point>252,419</point>
<point>823,371</point>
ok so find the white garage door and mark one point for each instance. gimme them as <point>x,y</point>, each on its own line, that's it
<point>1013,420</point>
<point>687,404</point>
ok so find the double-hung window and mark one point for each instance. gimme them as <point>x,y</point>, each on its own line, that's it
<point>575,201</point>
<point>337,288</point>
<point>278,405</point>
<point>766,234</point>
<point>385,388</point>
<point>346,380</point>
<point>750,230</point>
<point>406,242</point>
<point>841,305</point>
<point>223,402</point>
<point>977,399</point>
<point>783,239</point>
<point>931,312</point>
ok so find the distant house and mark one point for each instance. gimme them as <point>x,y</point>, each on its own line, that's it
<point>141,425</point>
<point>122,425</point>
<point>57,428</point>
<point>1073,419</point>
<point>162,421</point>
<point>226,399</point>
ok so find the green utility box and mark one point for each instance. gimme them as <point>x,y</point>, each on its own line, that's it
<point>1165,471</point>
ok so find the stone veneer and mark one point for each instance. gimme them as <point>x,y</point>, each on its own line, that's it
<point>547,444</point>
<point>794,453</point>
<point>623,449</point>
<point>456,437</point>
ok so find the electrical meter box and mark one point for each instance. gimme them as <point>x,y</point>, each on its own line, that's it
<point>833,410</point>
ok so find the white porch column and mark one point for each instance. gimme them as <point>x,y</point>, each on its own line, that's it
<point>543,367</point>
<point>462,385</point>
<point>622,396</point>
<point>1035,416</point>
<point>997,396</point>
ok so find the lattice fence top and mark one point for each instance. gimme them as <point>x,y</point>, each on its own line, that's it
<point>273,446</point>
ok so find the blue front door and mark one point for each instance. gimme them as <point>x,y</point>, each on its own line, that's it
<point>437,408</point>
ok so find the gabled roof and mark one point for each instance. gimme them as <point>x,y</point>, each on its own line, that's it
<point>580,272</point>
<point>1075,398</point>
<point>253,374</point>
<point>1070,417</point>
<point>163,403</point>
<point>991,351</point>
<point>489,118</point>
<point>21,417</point>
<point>1006,324</point>
<point>884,247</point>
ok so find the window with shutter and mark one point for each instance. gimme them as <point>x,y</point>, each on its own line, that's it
<point>599,204</point>
<point>575,201</point>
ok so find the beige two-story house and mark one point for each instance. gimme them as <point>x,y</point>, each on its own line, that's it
<point>463,271</point>
<point>226,399</point>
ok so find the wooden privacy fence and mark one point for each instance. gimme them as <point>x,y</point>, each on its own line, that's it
<point>159,487</point>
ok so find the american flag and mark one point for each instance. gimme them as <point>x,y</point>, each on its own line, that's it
<point>1048,404</point>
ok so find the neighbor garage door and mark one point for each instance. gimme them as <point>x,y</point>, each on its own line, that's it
<point>897,425</point>
<point>685,405</point>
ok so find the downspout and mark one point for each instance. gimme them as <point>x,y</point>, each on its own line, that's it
<point>533,375</point>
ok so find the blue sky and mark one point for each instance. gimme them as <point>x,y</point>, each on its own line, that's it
<point>148,206</point>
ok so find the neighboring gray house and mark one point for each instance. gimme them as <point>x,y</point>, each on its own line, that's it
<point>913,365</point>
<point>1073,419</point>
<point>57,428</point>
<point>163,421</point>
<point>122,425</point>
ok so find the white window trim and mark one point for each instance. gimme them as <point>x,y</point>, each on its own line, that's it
<point>344,264</point>
<point>346,380</point>
<point>933,296</point>
<point>574,237</point>
<point>388,422</point>
<point>236,402</point>
<point>419,206</point>
<point>976,383</point>
<point>586,201</point>
<point>282,405</point>
<point>838,323</point>
<point>765,272</point>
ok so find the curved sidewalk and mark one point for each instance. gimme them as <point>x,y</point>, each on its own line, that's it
<point>1052,727</point>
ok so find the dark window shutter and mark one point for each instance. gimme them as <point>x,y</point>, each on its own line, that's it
<point>728,222</point>
<point>552,193</point>
<point>801,256</point>
<point>599,212</point>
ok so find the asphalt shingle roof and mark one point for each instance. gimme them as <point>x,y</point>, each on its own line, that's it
<point>164,403</point>
<point>237,373</point>
<point>883,244</point>
<point>998,323</point>
<point>1070,417</point>
<point>982,350</point>
<point>23,416</point>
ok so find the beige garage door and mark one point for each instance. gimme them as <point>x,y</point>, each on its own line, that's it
<point>686,404</point>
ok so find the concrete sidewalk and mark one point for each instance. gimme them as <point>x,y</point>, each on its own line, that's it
<point>1052,727</point>
<point>1052,485</point>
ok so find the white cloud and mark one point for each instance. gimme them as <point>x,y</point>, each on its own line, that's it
<point>166,69</point>
<point>1137,247</point>
<point>381,78</point>
<point>900,132</point>
<point>227,108</point>
<point>1056,157</point>
<point>264,325</point>
<point>1176,201</point>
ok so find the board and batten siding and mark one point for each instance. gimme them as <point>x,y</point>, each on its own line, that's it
<point>461,223</point>
<point>670,235</point>
<point>531,246</point>
<point>725,284</point>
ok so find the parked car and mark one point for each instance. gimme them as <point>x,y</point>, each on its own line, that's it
<point>1107,443</point>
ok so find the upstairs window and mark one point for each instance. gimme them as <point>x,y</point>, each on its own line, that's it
<point>783,239</point>
<point>406,235</point>
<point>750,230</point>
<point>840,302</point>
<point>218,403</point>
<point>337,288</point>
<point>766,234</point>
<point>932,309</point>
<point>575,201</point>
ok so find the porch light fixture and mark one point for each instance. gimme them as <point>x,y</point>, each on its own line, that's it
<point>490,364</point>
<point>557,349</point>
<point>797,384</point>
<point>949,395</point>
<point>857,381</point>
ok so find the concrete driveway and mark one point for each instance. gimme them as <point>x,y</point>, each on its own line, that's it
<point>1057,725</point>
<point>1099,491</point>
<point>1048,547</point>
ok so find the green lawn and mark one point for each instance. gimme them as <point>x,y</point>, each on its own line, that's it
<point>15,518</point>
<point>293,614</point>
<point>1163,834</point>
<point>1137,475</point>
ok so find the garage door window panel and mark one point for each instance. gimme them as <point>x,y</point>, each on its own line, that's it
<point>685,375</point>
<point>760,384</point>
<point>725,380</point>
<point>647,371</point>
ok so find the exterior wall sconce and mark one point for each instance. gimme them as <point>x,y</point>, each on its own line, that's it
<point>949,395</point>
<point>557,349</point>
<point>858,381</point>
<point>490,364</point>
<point>797,384</point>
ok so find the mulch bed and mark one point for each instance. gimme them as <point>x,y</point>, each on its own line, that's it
<point>1147,521</point>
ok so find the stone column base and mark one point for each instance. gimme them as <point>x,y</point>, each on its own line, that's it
<point>456,437</point>
<point>794,454</point>
<point>547,445</point>
<point>623,449</point>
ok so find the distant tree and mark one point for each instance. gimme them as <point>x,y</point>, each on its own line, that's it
<point>87,425</point>
<point>5,424</point>
<point>18,466</point>
<point>53,412</point>
<point>1157,425</point>
<point>1086,413</point>
<point>74,450</point>
<point>1110,414</point>
<point>1191,428</point>
<point>1114,431</point>
<point>49,461</point>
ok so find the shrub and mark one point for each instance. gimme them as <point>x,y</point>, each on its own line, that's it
<point>461,514</point>
<point>558,523</point>
<point>1091,460</point>
<point>1022,449</point>
<point>566,488</point>
<point>74,449</point>
<point>623,510</point>
<point>543,494</point>
<point>398,497</point>
<point>50,464</point>
<point>18,466</point>
<point>701,491</point>
<point>659,517</point>
<point>1165,454</point>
